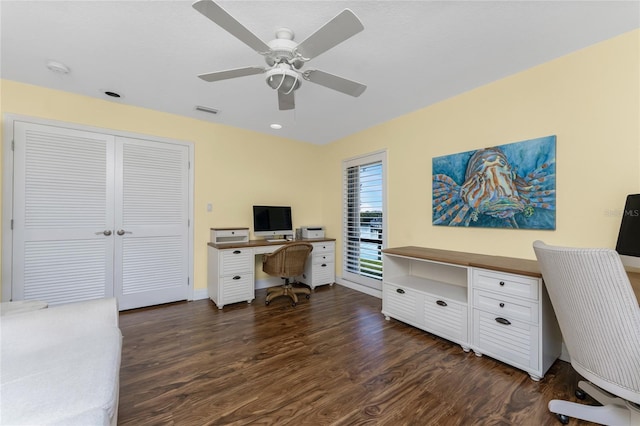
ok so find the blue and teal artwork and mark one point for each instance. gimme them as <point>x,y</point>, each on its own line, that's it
<point>506,186</point>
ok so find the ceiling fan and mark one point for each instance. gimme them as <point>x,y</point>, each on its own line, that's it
<point>285,57</point>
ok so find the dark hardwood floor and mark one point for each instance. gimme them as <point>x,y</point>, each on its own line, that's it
<point>331,360</point>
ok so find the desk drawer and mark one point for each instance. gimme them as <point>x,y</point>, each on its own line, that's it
<point>234,261</point>
<point>510,307</point>
<point>511,341</point>
<point>323,247</point>
<point>320,258</point>
<point>237,288</point>
<point>504,283</point>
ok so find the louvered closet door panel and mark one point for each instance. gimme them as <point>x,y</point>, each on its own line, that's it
<point>152,199</point>
<point>61,195</point>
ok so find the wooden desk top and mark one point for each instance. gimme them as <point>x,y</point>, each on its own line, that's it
<point>496,263</point>
<point>262,243</point>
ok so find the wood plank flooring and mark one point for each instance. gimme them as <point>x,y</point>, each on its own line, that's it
<point>331,360</point>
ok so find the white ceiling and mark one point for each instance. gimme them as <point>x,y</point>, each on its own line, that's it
<point>411,54</point>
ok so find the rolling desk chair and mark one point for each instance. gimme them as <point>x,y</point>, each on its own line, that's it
<point>599,317</point>
<point>287,262</point>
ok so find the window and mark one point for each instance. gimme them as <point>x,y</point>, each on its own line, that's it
<point>363,226</point>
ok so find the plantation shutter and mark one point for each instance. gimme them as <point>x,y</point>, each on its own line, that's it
<point>363,219</point>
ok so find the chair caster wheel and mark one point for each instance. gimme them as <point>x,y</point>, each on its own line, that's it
<point>562,419</point>
<point>266,303</point>
<point>308,296</point>
<point>294,304</point>
<point>580,394</point>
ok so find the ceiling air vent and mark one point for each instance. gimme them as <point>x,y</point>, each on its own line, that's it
<point>207,109</point>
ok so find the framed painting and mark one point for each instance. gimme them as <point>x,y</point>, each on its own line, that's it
<point>505,186</point>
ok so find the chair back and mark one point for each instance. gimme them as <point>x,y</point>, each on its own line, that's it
<point>598,315</point>
<point>287,261</point>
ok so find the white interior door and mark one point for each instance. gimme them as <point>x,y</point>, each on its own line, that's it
<point>63,215</point>
<point>152,222</point>
<point>97,215</point>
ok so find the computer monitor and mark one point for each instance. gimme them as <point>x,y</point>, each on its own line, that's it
<point>272,221</point>
<point>628,245</point>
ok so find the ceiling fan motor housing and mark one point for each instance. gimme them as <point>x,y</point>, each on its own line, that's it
<point>283,49</point>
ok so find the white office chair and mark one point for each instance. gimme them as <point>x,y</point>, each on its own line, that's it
<point>599,318</point>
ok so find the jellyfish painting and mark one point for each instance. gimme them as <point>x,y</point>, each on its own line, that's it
<point>507,186</point>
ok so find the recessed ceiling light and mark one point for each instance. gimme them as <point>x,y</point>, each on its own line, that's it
<point>58,67</point>
<point>276,126</point>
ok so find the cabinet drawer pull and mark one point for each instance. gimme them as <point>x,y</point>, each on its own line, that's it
<point>237,277</point>
<point>502,283</point>
<point>441,302</point>
<point>503,321</point>
<point>399,290</point>
<point>237,252</point>
<point>501,305</point>
<point>323,265</point>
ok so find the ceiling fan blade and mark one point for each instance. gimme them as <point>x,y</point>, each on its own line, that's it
<point>221,17</point>
<point>286,100</point>
<point>346,24</point>
<point>348,87</point>
<point>234,73</point>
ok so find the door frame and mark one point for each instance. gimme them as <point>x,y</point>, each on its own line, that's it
<point>8,121</point>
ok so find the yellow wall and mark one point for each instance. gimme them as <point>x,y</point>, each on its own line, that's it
<point>234,168</point>
<point>589,99</point>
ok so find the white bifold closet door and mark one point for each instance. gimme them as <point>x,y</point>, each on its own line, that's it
<point>97,215</point>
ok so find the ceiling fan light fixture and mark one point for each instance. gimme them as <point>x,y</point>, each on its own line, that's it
<point>283,79</point>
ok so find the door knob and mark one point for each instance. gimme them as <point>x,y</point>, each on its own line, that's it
<point>105,233</point>
<point>122,232</point>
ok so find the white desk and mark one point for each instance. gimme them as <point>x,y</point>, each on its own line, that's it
<point>231,268</point>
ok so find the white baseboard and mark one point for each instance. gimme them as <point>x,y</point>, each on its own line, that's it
<point>200,293</point>
<point>359,287</point>
<point>203,293</point>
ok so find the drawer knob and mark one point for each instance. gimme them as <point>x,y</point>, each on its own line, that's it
<point>441,303</point>
<point>501,305</point>
<point>502,283</point>
<point>503,321</point>
<point>237,252</point>
<point>237,277</point>
<point>401,291</point>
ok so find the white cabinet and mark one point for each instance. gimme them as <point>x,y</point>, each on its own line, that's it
<point>467,299</point>
<point>428,295</point>
<point>320,268</point>
<point>509,319</point>
<point>230,275</point>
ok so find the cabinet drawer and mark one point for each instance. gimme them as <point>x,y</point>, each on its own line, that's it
<point>509,284</point>
<point>445,318</point>
<point>236,288</point>
<point>324,247</point>
<point>524,310</point>
<point>402,303</point>
<point>515,343</point>
<point>235,261</point>
<point>321,258</point>
<point>323,273</point>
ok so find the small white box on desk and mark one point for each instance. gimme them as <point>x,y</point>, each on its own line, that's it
<point>313,232</point>
<point>229,235</point>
